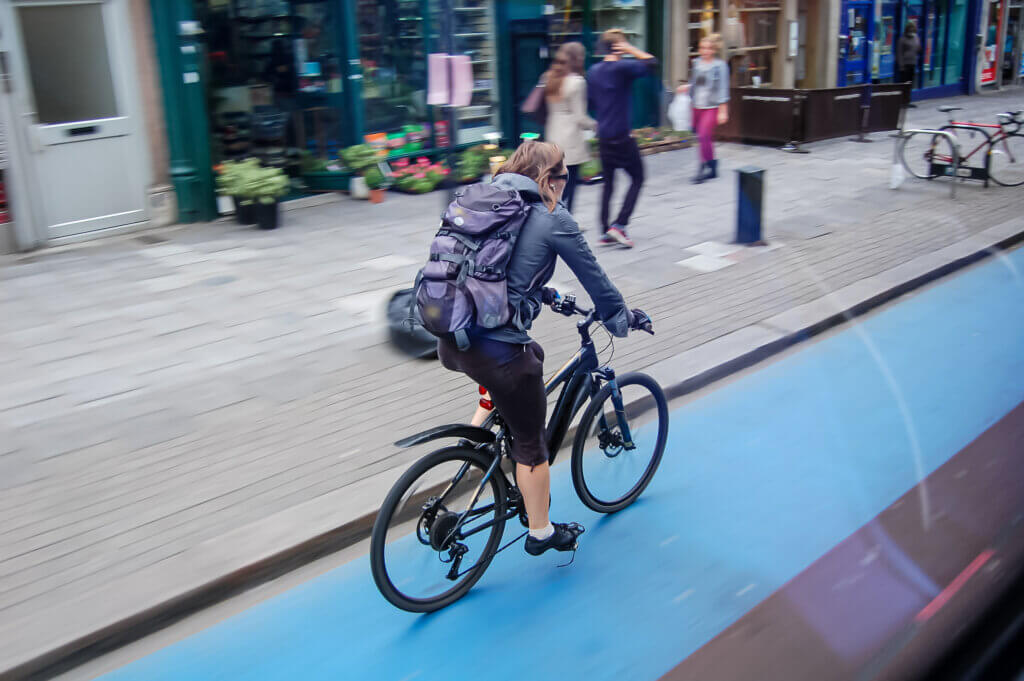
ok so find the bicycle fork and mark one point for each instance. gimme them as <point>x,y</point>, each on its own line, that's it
<point>620,410</point>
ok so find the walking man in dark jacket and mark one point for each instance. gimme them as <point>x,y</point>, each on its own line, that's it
<point>609,91</point>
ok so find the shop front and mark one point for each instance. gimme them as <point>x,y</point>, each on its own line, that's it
<point>293,82</point>
<point>584,20</point>
<point>755,35</point>
<point>869,37</point>
<point>1001,62</point>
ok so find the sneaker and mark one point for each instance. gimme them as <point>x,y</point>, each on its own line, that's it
<point>607,240</point>
<point>619,235</point>
<point>564,539</point>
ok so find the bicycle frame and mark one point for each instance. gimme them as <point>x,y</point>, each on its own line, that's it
<point>580,379</point>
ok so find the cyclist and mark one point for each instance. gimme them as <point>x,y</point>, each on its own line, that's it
<point>506,361</point>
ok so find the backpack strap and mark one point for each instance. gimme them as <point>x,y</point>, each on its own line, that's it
<point>464,240</point>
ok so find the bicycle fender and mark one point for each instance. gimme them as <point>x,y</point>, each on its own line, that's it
<point>459,430</point>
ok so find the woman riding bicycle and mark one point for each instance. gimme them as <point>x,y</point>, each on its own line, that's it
<point>506,361</point>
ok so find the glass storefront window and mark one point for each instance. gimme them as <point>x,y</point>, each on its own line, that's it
<point>274,80</point>
<point>393,58</point>
<point>704,20</point>
<point>935,44</point>
<point>625,14</point>
<point>957,42</point>
<point>474,36</point>
<point>753,26</point>
<point>565,23</point>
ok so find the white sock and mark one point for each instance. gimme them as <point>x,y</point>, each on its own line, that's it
<point>543,533</point>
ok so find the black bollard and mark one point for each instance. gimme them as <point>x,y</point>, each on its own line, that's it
<point>751,205</point>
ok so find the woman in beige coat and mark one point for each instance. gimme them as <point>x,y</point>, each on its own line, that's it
<point>566,98</point>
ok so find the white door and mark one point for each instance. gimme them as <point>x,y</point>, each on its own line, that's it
<point>76,97</point>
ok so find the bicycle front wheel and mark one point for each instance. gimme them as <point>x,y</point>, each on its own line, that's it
<point>1006,161</point>
<point>616,453</point>
<point>927,155</point>
<point>438,530</point>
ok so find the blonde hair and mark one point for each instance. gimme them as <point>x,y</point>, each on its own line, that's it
<point>613,36</point>
<point>537,161</point>
<point>716,42</point>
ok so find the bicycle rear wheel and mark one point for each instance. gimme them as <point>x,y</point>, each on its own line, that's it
<point>422,559</point>
<point>1006,161</point>
<point>927,155</point>
<point>608,472</point>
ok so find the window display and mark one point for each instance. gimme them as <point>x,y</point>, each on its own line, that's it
<point>393,58</point>
<point>753,27</point>
<point>704,20</point>
<point>565,22</point>
<point>474,37</point>
<point>274,79</point>
<point>625,14</point>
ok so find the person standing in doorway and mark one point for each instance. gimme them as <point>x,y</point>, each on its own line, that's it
<point>907,52</point>
<point>566,97</point>
<point>709,92</point>
<point>609,92</point>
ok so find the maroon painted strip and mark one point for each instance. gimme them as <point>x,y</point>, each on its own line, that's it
<point>893,596</point>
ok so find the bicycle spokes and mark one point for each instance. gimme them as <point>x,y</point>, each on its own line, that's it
<point>440,530</point>
<point>619,446</point>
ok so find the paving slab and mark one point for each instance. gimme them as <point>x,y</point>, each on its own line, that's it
<point>224,399</point>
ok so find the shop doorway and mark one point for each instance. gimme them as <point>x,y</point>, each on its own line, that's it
<point>74,99</point>
<point>1011,62</point>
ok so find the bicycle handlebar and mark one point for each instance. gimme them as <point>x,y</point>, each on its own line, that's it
<point>567,306</point>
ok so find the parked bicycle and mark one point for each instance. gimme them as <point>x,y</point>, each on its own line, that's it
<point>947,151</point>
<point>443,521</point>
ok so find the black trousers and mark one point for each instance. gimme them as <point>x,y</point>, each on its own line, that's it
<point>907,74</point>
<point>570,186</point>
<point>619,154</point>
<point>514,376</point>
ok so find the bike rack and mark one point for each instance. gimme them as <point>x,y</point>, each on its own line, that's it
<point>952,143</point>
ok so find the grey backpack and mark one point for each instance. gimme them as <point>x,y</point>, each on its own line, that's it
<point>463,286</point>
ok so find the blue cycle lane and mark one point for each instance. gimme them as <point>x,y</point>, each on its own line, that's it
<point>760,479</point>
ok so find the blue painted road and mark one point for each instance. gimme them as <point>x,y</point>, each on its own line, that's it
<point>760,479</point>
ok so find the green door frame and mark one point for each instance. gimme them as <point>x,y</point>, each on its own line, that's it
<point>188,133</point>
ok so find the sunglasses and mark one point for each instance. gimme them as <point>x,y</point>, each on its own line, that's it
<point>563,176</point>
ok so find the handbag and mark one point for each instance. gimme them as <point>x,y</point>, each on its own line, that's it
<point>536,104</point>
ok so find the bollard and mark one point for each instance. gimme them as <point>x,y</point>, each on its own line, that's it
<point>751,205</point>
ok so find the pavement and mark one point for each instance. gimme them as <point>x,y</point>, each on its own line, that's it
<point>874,484</point>
<point>188,410</point>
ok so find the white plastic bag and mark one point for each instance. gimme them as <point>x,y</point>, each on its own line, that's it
<point>680,111</point>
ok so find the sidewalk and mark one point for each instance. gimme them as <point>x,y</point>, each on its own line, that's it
<point>181,406</point>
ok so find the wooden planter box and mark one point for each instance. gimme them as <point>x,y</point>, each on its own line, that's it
<point>658,147</point>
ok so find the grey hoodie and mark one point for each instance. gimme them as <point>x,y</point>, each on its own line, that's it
<point>544,237</point>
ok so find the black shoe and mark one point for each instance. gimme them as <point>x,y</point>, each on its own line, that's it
<point>564,539</point>
<point>712,169</point>
<point>700,176</point>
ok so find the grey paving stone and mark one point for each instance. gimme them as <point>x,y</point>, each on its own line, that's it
<point>205,366</point>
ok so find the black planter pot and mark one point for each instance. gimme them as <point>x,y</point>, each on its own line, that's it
<point>244,212</point>
<point>266,215</point>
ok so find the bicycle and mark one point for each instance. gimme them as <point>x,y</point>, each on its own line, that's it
<point>450,507</point>
<point>928,154</point>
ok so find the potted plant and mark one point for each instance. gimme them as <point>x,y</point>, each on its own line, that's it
<point>374,179</point>
<point>360,159</point>
<point>263,187</point>
<point>231,177</point>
